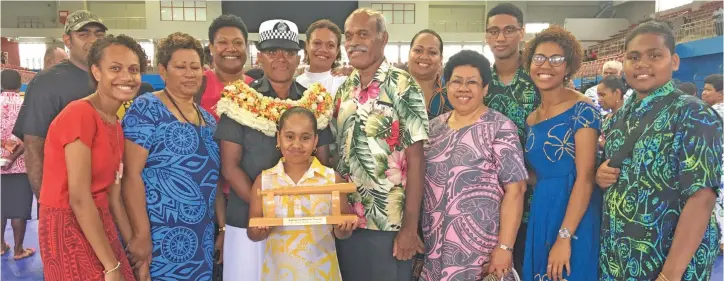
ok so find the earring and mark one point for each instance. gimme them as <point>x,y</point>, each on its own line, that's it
<point>314,150</point>
<point>277,147</point>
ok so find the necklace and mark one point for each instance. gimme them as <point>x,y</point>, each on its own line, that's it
<point>453,119</point>
<point>115,144</point>
<point>198,113</point>
<point>104,116</point>
<point>543,117</point>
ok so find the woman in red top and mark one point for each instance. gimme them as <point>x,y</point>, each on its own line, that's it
<point>81,191</point>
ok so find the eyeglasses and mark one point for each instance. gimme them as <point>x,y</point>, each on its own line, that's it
<point>554,60</point>
<point>456,84</point>
<point>275,52</point>
<point>508,32</point>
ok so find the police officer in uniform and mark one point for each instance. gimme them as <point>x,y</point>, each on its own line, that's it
<point>246,152</point>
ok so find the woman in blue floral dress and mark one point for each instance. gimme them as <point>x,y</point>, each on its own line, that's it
<point>565,213</point>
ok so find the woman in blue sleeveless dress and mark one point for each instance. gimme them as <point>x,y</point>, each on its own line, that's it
<point>565,213</point>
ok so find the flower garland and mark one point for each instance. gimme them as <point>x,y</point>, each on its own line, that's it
<point>248,107</point>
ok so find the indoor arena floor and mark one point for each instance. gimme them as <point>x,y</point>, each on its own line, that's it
<point>31,269</point>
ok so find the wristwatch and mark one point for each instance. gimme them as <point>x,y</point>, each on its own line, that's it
<point>564,233</point>
<point>222,229</point>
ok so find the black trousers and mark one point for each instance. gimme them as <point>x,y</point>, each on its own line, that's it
<point>367,256</point>
<point>519,248</point>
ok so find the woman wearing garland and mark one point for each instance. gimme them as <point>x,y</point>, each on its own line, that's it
<point>172,166</point>
<point>247,131</point>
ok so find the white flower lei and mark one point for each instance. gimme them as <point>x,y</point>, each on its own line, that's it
<point>248,107</point>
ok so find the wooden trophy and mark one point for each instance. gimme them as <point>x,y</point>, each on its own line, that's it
<point>337,217</point>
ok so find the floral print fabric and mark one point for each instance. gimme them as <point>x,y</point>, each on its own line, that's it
<point>374,125</point>
<point>10,104</point>
<point>551,153</point>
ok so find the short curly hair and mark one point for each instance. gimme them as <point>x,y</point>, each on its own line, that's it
<point>95,55</point>
<point>174,42</point>
<point>227,21</point>
<point>716,81</point>
<point>471,58</point>
<point>572,50</point>
<point>328,24</point>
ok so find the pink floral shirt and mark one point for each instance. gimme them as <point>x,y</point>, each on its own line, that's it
<point>10,103</point>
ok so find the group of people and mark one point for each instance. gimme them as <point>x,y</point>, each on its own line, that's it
<point>502,171</point>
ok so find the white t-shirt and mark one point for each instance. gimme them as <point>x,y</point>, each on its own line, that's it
<point>330,82</point>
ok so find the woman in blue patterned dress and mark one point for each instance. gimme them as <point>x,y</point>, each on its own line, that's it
<point>562,140</point>
<point>172,168</point>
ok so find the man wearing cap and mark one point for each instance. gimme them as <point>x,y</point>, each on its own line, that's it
<point>381,124</point>
<point>247,150</point>
<point>53,88</point>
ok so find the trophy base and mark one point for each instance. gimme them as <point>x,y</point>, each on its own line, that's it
<point>256,222</point>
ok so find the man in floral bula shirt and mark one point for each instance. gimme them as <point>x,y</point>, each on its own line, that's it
<point>381,123</point>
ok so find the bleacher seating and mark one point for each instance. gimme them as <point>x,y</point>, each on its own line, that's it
<point>699,24</point>
<point>673,15</point>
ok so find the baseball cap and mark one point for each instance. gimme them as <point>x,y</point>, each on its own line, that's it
<point>281,34</point>
<point>81,18</point>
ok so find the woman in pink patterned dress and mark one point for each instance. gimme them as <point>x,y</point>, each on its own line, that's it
<point>474,182</point>
<point>17,197</point>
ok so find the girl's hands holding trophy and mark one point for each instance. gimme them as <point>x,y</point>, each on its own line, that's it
<point>258,233</point>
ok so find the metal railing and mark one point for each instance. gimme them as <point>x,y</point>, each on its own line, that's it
<point>34,22</point>
<point>696,30</point>
<point>457,26</point>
